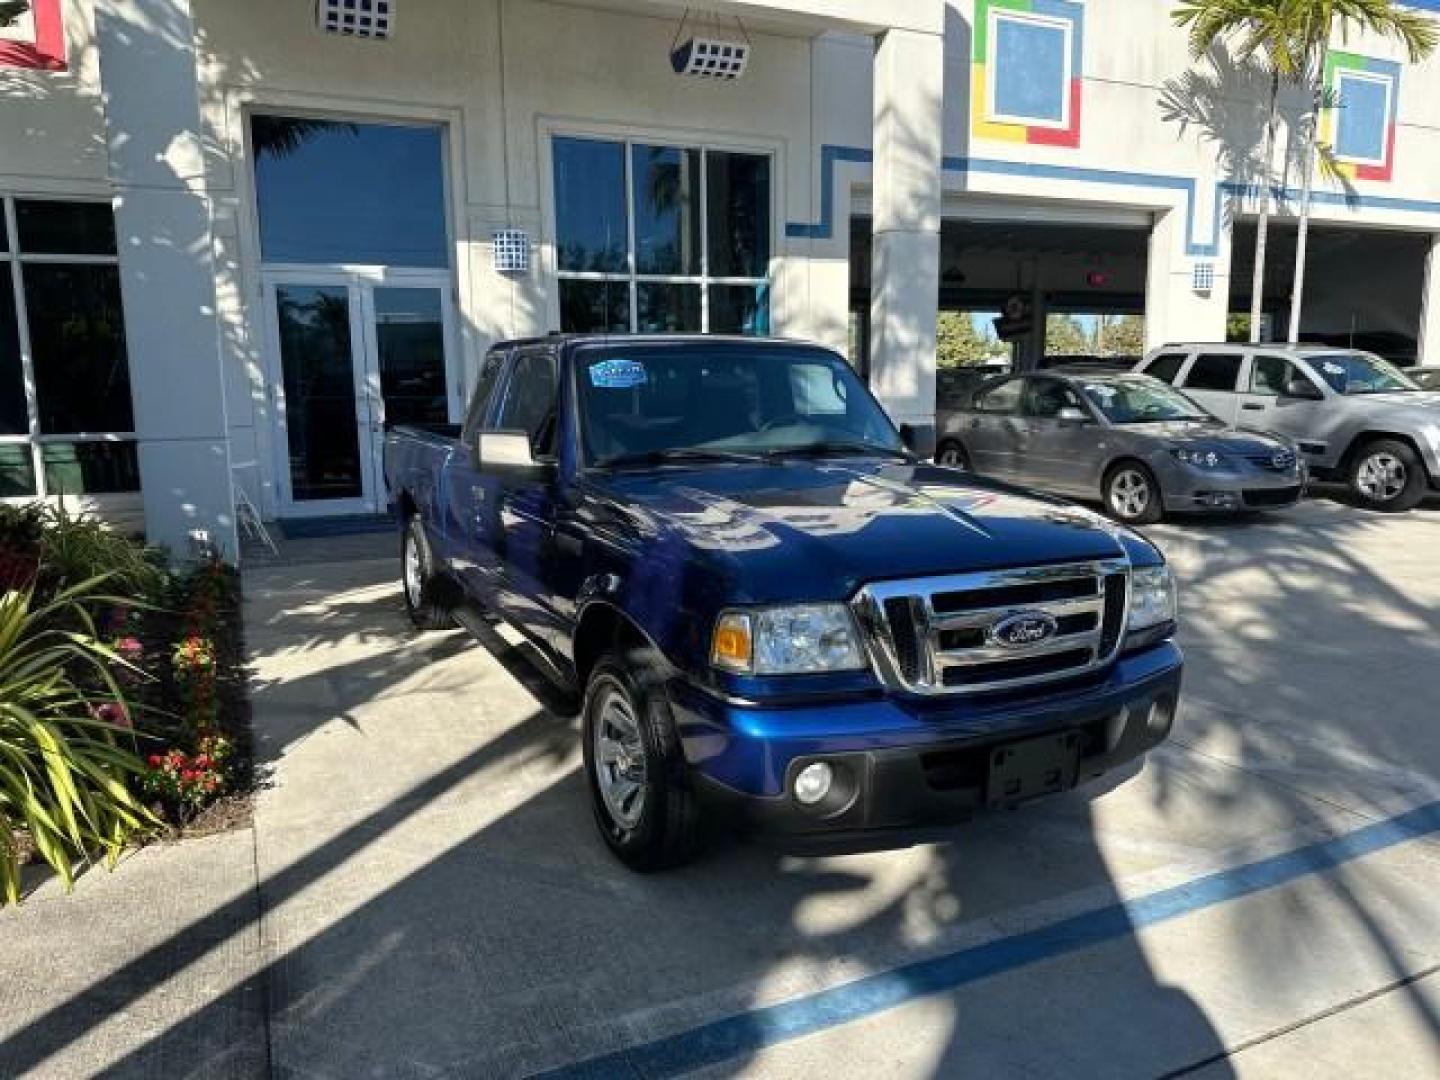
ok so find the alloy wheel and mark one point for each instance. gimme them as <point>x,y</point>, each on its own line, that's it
<point>1130,493</point>
<point>414,570</point>
<point>619,759</point>
<point>1381,477</point>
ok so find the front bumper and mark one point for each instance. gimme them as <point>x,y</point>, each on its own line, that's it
<point>1193,491</point>
<point>902,763</point>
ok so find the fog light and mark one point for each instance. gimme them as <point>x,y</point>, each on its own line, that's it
<point>813,782</point>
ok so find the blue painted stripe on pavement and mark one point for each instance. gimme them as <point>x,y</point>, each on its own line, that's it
<point>749,1032</point>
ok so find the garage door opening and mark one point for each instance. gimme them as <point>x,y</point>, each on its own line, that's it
<point>1021,294</point>
<point>1363,287</point>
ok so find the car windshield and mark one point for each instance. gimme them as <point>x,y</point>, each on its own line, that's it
<point>654,402</point>
<point>1359,373</point>
<point>1141,401</point>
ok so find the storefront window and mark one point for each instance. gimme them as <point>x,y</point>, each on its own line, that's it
<point>655,238</point>
<point>332,191</point>
<point>66,420</point>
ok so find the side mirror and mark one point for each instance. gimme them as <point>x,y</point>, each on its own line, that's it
<point>919,439</point>
<point>1069,414</point>
<point>506,452</point>
<point>1302,390</point>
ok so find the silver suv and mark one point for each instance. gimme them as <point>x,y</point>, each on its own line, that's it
<point>1354,416</point>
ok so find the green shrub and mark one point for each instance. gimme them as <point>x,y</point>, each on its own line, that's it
<point>78,547</point>
<point>64,723</point>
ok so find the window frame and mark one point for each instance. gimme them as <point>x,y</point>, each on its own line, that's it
<point>14,258</point>
<point>993,114</point>
<point>629,277</point>
<point>1374,78</point>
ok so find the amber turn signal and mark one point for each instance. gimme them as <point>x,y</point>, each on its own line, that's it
<point>732,649</point>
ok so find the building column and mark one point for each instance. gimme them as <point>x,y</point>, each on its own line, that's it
<point>167,271</point>
<point>1428,345</point>
<point>1175,310</point>
<point>905,269</point>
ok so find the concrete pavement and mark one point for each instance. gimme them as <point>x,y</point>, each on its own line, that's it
<point>432,899</point>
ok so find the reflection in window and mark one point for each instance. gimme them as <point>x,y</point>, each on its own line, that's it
<point>590,205</point>
<point>740,309</point>
<point>65,228</point>
<point>668,308</point>
<point>667,210</point>
<point>90,468</point>
<point>738,218</point>
<point>77,344</point>
<point>315,355</point>
<point>599,307</point>
<point>61,257</point>
<point>13,414</point>
<point>410,339</point>
<point>17,471</point>
<point>337,192</point>
<point>688,250</point>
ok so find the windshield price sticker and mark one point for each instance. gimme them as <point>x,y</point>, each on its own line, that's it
<point>1102,391</point>
<point>1332,368</point>
<point>618,374</point>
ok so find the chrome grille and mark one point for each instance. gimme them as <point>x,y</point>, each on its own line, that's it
<point>939,635</point>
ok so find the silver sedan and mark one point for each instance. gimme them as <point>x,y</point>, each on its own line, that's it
<point>1140,446</point>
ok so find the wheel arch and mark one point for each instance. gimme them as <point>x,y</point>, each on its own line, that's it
<point>601,625</point>
<point>1361,439</point>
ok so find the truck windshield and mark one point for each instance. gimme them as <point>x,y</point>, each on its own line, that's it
<point>1141,401</point>
<point>1359,373</point>
<point>726,402</point>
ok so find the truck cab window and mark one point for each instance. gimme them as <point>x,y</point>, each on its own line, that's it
<point>530,401</point>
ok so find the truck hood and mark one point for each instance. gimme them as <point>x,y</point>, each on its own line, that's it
<point>1412,407</point>
<point>819,530</point>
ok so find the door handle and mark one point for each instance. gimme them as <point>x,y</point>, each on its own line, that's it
<point>1249,407</point>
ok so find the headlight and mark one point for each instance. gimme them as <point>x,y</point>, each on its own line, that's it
<point>797,640</point>
<point>1153,598</point>
<point>1200,459</point>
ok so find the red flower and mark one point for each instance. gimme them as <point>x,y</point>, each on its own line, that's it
<point>154,761</point>
<point>112,712</point>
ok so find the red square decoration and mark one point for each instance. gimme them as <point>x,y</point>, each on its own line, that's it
<point>36,40</point>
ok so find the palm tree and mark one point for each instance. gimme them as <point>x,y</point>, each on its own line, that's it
<point>1264,31</point>
<point>1312,26</point>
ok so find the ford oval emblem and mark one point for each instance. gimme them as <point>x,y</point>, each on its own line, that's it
<point>1023,629</point>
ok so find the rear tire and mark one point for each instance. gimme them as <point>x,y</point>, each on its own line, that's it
<point>1387,475</point>
<point>1132,494</point>
<point>643,803</point>
<point>418,581</point>
<point>952,454</point>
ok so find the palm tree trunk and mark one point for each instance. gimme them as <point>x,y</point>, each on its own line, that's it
<point>1302,241</point>
<point>1262,227</point>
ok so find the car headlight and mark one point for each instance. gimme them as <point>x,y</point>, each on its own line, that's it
<point>1154,599</point>
<point>798,640</point>
<point>1200,459</point>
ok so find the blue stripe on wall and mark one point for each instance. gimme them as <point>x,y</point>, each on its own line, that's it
<point>1194,246</point>
<point>750,1032</point>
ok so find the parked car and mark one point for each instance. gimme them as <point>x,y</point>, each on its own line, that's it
<point>770,603</point>
<point>1138,445</point>
<point>1427,378</point>
<point>1093,361</point>
<point>1354,416</point>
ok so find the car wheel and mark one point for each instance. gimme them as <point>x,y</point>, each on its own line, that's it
<point>418,582</point>
<point>1132,495</point>
<point>1387,474</point>
<point>643,803</point>
<point>953,455</point>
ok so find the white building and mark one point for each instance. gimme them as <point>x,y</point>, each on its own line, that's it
<point>237,241</point>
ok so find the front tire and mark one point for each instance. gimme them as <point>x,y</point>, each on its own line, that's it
<point>1132,494</point>
<point>634,767</point>
<point>418,582</point>
<point>1387,475</point>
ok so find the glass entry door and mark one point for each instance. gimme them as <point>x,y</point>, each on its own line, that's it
<point>351,356</point>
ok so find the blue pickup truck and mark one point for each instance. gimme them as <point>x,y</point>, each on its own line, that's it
<point>771,603</point>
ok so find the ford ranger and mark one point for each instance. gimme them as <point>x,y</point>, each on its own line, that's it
<point>770,604</point>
